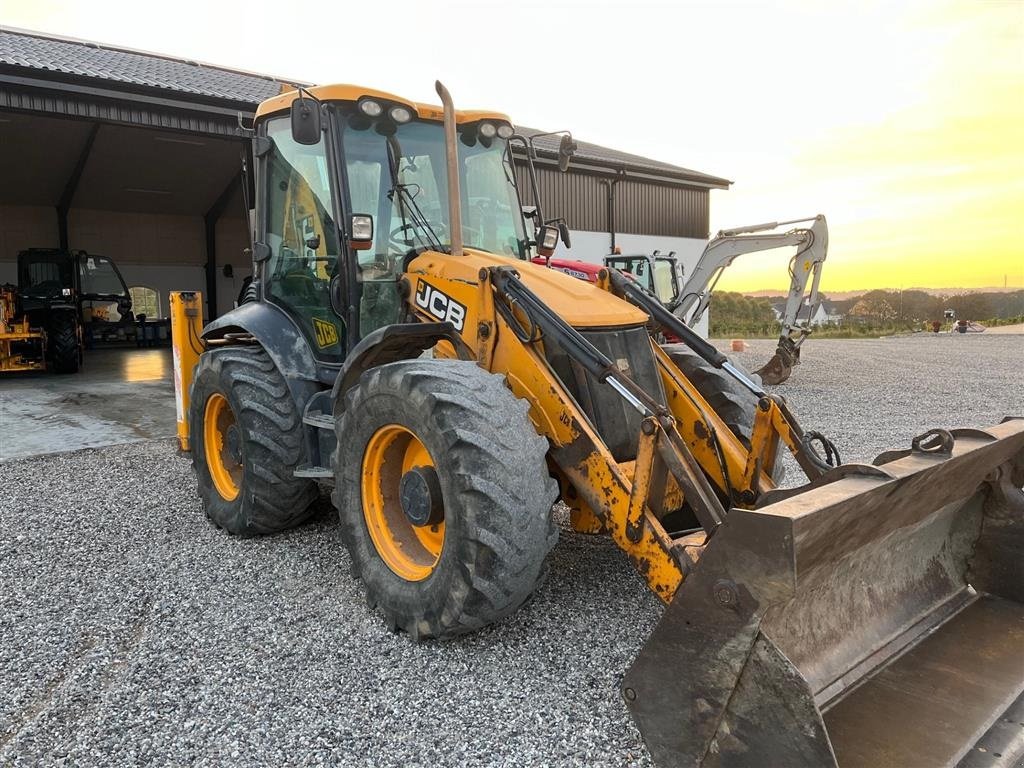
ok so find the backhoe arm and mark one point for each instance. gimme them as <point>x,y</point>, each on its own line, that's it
<point>722,250</point>
<point>804,268</point>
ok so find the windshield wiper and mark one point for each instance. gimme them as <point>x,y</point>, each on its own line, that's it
<point>411,211</point>
<point>407,206</point>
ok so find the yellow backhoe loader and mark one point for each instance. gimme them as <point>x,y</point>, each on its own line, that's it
<point>871,616</point>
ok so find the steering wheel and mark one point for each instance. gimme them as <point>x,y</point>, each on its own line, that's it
<point>404,243</point>
<point>381,267</point>
<point>441,230</point>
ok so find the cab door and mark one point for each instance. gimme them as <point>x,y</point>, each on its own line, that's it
<point>300,230</point>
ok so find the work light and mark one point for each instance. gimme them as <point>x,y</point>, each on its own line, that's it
<point>400,114</point>
<point>488,131</point>
<point>505,131</point>
<point>370,108</point>
<point>547,240</point>
<point>361,229</point>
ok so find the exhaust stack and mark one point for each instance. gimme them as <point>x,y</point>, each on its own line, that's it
<point>452,158</point>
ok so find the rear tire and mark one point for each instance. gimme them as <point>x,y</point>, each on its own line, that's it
<point>485,555</point>
<point>735,404</point>
<point>65,349</point>
<point>246,436</point>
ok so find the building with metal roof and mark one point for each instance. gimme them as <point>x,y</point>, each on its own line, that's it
<point>137,155</point>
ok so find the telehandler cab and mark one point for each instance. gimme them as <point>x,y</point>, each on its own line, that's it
<point>872,616</point>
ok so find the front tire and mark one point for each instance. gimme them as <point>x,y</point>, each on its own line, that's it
<point>65,343</point>
<point>246,437</point>
<point>444,495</point>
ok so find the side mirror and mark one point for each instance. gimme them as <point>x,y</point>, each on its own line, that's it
<point>563,232</point>
<point>337,299</point>
<point>306,126</point>
<point>360,231</point>
<point>566,149</point>
<point>547,240</point>
<point>261,252</point>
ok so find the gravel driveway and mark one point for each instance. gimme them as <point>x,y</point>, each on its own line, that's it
<point>132,632</point>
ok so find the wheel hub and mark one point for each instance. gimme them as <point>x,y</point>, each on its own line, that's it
<point>419,492</point>
<point>233,443</point>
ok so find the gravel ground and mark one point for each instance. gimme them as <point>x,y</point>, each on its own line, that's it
<point>873,395</point>
<point>132,632</point>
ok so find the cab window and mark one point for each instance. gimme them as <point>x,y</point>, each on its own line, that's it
<point>303,238</point>
<point>99,277</point>
<point>665,287</point>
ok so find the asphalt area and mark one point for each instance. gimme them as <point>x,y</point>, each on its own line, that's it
<point>132,632</point>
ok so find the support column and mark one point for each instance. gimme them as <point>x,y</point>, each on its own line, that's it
<point>64,203</point>
<point>210,224</point>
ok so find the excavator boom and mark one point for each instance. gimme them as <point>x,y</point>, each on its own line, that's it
<point>805,267</point>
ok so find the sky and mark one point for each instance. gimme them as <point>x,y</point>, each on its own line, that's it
<point>901,122</point>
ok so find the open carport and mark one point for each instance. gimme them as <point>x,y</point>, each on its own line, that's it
<point>137,156</point>
<point>133,157</point>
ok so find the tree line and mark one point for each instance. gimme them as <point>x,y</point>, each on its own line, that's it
<point>878,311</point>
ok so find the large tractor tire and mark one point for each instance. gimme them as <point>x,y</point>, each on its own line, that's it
<point>734,403</point>
<point>444,495</point>
<point>64,342</point>
<point>246,436</point>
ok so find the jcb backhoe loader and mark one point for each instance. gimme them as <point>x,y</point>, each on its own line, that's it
<point>873,616</point>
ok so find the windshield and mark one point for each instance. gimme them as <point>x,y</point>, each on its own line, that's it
<point>397,174</point>
<point>99,276</point>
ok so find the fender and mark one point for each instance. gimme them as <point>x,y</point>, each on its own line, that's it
<point>277,333</point>
<point>390,344</point>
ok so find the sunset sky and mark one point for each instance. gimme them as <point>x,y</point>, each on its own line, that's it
<point>903,123</point>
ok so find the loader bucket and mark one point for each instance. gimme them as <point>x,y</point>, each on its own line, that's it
<point>875,618</point>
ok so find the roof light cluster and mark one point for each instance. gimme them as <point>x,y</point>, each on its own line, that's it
<point>486,129</point>
<point>490,130</point>
<point>372,108</point>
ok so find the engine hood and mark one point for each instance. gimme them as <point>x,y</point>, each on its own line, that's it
<point>578,302</point>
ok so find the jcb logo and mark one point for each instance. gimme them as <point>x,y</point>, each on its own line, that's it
<point>440,305</point>
<point>326,333</point>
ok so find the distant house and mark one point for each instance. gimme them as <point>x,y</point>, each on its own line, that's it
<point>826,312</point>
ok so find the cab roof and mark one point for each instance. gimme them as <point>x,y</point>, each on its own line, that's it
<point>348,92</point>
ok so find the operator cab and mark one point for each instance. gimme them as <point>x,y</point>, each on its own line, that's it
<point>659,275</point>
<point>350,202</point>
<point>50,275</point>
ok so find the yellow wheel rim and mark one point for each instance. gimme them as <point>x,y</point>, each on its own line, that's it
<point>411,551</point>
<point>223,456</point>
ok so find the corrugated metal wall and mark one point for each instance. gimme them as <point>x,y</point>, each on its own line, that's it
<point>641,207</point>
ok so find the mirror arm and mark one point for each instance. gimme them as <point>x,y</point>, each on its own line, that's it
<point>531,172</point>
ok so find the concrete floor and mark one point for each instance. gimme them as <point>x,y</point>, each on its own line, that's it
<point>120,396</point>
<point>127,395</point>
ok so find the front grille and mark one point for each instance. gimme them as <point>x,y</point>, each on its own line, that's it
<point>615,420</point>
